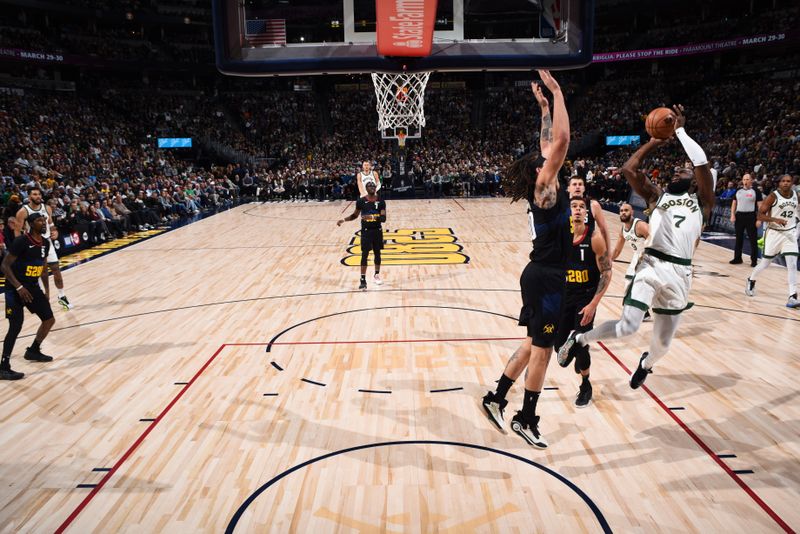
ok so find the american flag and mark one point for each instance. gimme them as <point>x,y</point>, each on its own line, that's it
<point>266,31</point>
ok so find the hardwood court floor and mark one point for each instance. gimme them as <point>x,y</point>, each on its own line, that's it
<point>166,408</point>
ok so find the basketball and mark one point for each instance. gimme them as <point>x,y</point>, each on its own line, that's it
<point>660,123</point>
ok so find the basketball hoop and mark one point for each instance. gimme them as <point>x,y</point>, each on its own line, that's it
<point>401,103</point>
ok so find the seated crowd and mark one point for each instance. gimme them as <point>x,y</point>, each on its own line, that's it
<point>98,164</point>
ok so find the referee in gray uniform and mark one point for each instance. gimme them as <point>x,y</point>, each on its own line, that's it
<point>743,217</point>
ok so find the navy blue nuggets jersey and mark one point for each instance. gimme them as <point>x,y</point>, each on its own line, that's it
<point>31,258</point>
<point>582,272</point>
<point>372,210</point>
<point>550,231</point>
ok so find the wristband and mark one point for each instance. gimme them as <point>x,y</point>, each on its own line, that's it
<point>20,287</point>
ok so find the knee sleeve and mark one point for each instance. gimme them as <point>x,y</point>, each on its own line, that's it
<point>364,255</point>
<point>377,253</point>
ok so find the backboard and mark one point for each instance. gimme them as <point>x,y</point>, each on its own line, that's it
<point>292,37</point>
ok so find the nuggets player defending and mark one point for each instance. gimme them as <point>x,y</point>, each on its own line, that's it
<point>663,277</point>
<point>542,282</point>
<point>366,175</point>
<point>588,276</point>
<point>576,185</point>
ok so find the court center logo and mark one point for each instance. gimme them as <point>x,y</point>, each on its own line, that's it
<point>412,246</point>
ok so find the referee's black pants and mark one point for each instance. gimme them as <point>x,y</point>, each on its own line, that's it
<point>746,222</point>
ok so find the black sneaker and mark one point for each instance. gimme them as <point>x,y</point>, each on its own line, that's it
<point>735,261</point>
<point>35,355</point>
<point>494,407</point>
<point>529,430</point>
<point>363,285</point>
<point>570,349</point>
<point>638,377</point>
<point>584,397</point>
<point>750,288</point>
<point>65,303</point>
<point>8,374</point>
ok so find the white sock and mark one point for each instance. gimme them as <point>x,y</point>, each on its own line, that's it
<point>791,271</point>
<point>60,292</point>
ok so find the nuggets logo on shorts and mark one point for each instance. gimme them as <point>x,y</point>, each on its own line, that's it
<point>9,312</point>
<point>413,246</point>
<point>548,329</point>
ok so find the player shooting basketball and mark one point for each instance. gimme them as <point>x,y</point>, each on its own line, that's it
<point>664,275</point>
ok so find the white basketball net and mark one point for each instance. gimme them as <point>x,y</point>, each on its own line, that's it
<point>401,101</point>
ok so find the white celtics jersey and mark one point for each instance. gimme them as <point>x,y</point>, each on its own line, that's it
<point>786,209</point>
<point>43,210</point>
<point>636,242</point>
<point>675,225</point>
